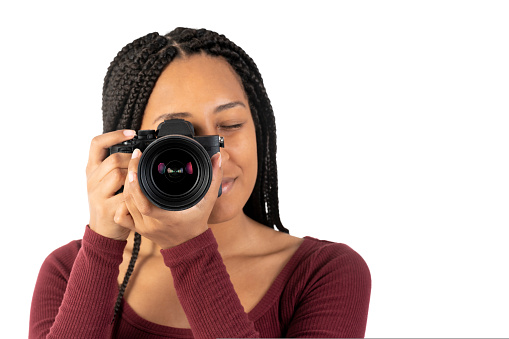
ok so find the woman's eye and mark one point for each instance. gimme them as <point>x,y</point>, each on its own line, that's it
<point>231,127</point>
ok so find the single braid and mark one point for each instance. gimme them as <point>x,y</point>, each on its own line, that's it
<point>130,269</point>
<point>131,78</point>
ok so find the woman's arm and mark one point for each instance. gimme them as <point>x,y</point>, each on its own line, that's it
<point>78,302</point>
<point>75,298</point>
<point>205,291</point>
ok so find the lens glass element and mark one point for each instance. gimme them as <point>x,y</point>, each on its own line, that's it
<point>173,171</point>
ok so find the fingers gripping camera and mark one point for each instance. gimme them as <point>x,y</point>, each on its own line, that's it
<point>175,170</point>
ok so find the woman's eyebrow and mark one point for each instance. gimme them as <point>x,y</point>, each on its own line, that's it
<point>229,105</point>
<point>182,115</point>
<point>169,116</point>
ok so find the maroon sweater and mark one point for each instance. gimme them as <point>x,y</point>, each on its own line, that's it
<point>322,292</point>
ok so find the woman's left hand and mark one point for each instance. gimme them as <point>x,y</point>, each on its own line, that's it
<point>165,228</point>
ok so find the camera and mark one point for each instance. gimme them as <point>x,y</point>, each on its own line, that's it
<point>175,170</point>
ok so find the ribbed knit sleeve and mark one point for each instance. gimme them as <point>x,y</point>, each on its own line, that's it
<point>205,290</point>
<point>77,303</point>
<point>335,299</point>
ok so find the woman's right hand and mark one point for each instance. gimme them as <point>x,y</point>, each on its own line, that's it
<point>105,176</point>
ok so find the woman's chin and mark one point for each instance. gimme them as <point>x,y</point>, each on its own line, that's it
<point>223,212</point>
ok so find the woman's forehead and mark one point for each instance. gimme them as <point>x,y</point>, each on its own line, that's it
<point>189,82</point>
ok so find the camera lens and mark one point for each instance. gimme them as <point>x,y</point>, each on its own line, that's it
<point>175,172</point>
<point>171,172</point>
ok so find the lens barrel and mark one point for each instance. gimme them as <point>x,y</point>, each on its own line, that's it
<point>175,172</point>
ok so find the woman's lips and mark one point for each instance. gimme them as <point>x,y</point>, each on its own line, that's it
<point>227,185</point>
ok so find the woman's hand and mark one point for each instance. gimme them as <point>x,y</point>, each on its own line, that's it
<point>165,228</point>
<point>105,176</point>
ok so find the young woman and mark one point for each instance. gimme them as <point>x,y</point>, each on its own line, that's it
<point>219,268</point>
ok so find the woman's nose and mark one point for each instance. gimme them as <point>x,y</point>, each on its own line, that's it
<point>225,156</point>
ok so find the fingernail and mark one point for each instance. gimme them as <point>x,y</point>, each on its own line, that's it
<point>129,133</point>
<point>136,153</point>
<point>220,160</point>
<point>131,176</point>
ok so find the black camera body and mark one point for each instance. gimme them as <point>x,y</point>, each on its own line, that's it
<point>175,171</point>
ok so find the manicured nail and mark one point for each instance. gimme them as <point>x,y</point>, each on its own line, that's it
<point>136,154</point>
<point>129,133</point>
<point>131,176</point>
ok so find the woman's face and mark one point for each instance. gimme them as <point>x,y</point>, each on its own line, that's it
<point>207,92</point>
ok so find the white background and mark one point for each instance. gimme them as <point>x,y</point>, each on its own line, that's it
<point>392,124</point>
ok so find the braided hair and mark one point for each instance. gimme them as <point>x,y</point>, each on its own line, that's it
<point>131,78</point>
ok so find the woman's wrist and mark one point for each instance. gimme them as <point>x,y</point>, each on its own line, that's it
<point>185,251</point>
<point>97,240</point>
<point>175,241</point>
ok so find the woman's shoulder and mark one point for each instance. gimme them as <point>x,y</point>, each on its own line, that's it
<point>329,249</point>
<point>320,272</point>
<point>324,260</point>
<point>62,259</point>
<point>310,253</point>
<point>311,259</point>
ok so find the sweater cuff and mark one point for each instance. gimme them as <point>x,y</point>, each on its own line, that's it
<point>102,243</point>
<point>188,250</point>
